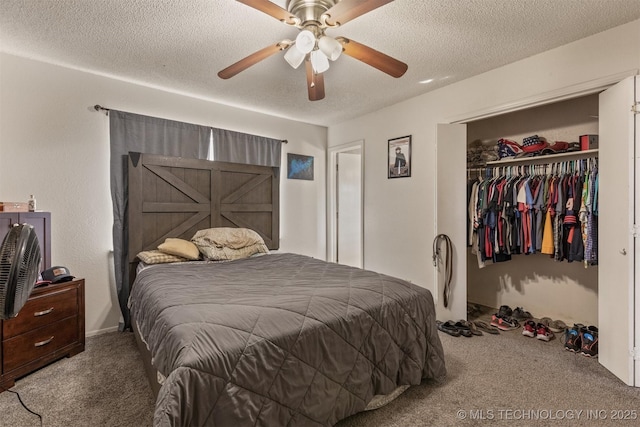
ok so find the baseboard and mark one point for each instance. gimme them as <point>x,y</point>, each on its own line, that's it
<point>101,331</point>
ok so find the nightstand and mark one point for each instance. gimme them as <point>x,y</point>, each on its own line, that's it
<point>49,326</point>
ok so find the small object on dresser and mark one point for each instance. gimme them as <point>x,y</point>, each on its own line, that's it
<point>32,203</point>
<point>57,274</point>
<point>14,207</point>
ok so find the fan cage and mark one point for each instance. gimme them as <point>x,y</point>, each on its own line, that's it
<point>20,260</point>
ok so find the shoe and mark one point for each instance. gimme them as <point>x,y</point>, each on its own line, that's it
<point>529,329</point>
<point>473,310</point>
<point>543,332</point>
<point>464,324</point>
<point>589,337</point>
<point>464,330</point>
<point>505,310</point>
<point>555,326</point>
<point>448,328</point>
<point>484,326</point>
<point>504,323</point>
<point>520,314</point>
<point>573,338</point>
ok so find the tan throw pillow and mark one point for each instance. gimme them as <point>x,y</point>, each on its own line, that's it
<point>180,247</point>
<point>158,257</point>
<point>225,243</point>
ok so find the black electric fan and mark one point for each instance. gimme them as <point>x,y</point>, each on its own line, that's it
<point>20,260</point>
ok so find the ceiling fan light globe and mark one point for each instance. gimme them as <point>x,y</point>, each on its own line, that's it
<point>330,47</point>
<point>305,41</point>
<point>319,62</point>
<point>294,57</point>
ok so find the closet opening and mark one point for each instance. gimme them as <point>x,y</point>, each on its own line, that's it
<point>515,271</point>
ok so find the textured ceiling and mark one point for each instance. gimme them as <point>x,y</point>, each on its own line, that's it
<point>180,46</point>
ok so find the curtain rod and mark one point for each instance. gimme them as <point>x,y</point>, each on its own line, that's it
<point>99,107</point>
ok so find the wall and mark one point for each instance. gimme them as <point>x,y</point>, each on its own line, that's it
<point>399,213</point>
<point>54,145</point>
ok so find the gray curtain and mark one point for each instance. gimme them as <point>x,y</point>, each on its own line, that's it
<point>236,147</point>
<point>142,134</point>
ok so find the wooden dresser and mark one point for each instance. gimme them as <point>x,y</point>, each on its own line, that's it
<point>49,326</point>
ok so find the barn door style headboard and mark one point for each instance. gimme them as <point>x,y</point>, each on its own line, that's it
<point>175,197</point>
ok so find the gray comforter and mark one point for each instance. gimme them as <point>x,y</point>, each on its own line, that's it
<point>281,340</point>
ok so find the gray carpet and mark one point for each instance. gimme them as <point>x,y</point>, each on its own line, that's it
<point>495,380</point>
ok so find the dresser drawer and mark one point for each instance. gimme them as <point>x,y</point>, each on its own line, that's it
<point>42,310</point>
<point>38,343</point>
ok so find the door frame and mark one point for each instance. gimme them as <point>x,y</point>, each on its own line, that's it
<point>636,155</point>
<point>332,205</point>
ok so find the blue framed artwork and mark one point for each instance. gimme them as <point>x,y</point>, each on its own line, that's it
<point>299,167</point>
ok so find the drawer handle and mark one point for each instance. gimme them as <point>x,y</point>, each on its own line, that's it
<point>45,342</point>
<point>42,313</point>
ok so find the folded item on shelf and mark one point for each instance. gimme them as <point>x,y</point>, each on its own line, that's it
<point>508,148</point>
<point>556,147</point>
<point>534,143</point>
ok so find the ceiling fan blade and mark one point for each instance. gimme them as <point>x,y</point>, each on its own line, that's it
<point>346,10</point>
<point>315,82</point>
<point>370,56</point>
<point>252,59</point>
<point>272,9</point>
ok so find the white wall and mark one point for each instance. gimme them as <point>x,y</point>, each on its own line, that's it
<point>55,146</point>
<point>399,213</point>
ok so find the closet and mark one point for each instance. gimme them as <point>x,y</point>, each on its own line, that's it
<point>604,295</point>
<point>535,281</point>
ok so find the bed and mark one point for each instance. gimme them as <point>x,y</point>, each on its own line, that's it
<point>273,339</point>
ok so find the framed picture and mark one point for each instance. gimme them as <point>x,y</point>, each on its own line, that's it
<point>399,161</point>
<point>299,167</point>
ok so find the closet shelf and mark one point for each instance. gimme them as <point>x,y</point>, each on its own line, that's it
<point>549,158</point>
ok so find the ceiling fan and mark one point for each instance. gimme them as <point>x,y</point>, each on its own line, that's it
<point>312,46</point>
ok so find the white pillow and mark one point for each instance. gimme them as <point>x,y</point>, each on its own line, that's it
<point>226,243</point>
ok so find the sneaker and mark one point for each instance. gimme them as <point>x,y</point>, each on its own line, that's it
<point>505,310</point>
<point>573,338</point>
<point>529,329</point>
<point>543,332</point>
<point>504,323</point>
<point>521,314</point>
<point>589,337</point>
<point>555,326</point>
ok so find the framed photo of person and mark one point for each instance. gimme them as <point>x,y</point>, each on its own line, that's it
<point>399,161</point>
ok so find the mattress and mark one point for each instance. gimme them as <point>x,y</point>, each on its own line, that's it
<point>281,339</point>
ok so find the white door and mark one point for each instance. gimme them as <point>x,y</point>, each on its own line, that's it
<point>616,246</point>
<point>451,216</point>
<point>349,208</point>
<point>349,193</point>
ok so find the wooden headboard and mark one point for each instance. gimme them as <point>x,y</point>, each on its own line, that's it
<point>175,197</point>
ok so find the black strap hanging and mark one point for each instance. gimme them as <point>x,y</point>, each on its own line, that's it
<point>448,264</point>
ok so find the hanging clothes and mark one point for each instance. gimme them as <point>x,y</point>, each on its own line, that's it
<point>549,209</point>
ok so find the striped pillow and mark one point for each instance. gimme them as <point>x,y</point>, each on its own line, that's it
<point>158,257</point>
